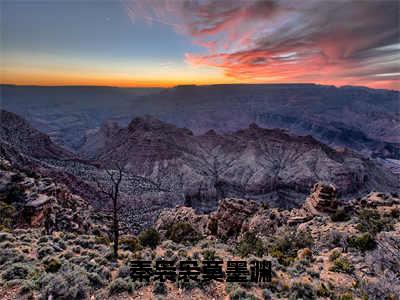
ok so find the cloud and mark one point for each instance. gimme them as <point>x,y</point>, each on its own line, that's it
<point>338,42</point>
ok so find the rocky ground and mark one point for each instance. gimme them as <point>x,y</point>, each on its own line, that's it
<point>53,245</point>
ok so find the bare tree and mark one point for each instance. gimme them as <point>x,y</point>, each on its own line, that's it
<point>112,191</point>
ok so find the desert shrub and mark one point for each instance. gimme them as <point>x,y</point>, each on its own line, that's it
<point>300,290</point>
<point>44,239</point>
<point>6,237</point>
<point>103,240</point>
<point>182,232</point>
<point>371,221</point>
<point>10,256</point>
<point>85,242</point>
<point>149,238</point>
<point>70,236</point>
<point>45,251</point>
<point>70,282</point>
<point>287,244</point>
<point>128,242</point>
<point>336,239</point>
<point>67,255</point>
<point>16,271</point>
<point>123,272</point>
<point>213,226</point>
<point>209,254</point>
<point>241,294</point>
<point>7,212</point>
<point>52,264</point>
<point>345,297</point>
<point>340,215</point>
<point>363,242</point>
<point>323,291</point>
<point>160,288</point>
<point>27,286</point>
<point>250,244</point>
<point>342,265</point>
<point>395,213</point>
<point>76,249</point>
<point>95,280</point>
<point>334,255</point>
<point>118,286</point>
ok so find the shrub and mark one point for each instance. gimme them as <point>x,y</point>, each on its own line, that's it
<point>250,244</point>
<point>182,232</point>
<point>16,271</point>
<point>103,240</point>
<point>323,291</point>
<point>118,286</point>
<point>342,265</point>
<point>10,256</point>
<point>371,221</point>
<point>334,255</point>
<point>7,212</point>
<point>395,213</point>
<point>130,243</point>
<point>85,242</point>
<point>301,290</point>
<point>149,238</point>
<point>5,236</point>
<point>52,265</point>
<point>363,242</point>
<point>346,297</point>
<point>209,254</point>
<point>241,294</point>
<point>70,282</point>
<point>27,286</point>
<point>123,272</point>
<point>340,215</point>
<point>286,245</point>
<point>160,288</point>
<point>95,280</point>
<point>45,251</point>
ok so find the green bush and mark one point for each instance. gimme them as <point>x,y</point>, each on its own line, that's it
<point>16,271</point>
<point>149,238</point>
<point>363,242</point>
<point>182,232</point>
<point>209,254</point>
<point>287,244</point>
<point>334,255</point>
<point>52,265</point>
<point>371,221</point>
<point>241,294</point>
<point>45,251</point>
<point>160,288</point>
<point>250,244</point>
<point>340,215</point>
<point>7,212</point>
<point>103,240</point>
<point>71,282</point>
<point>346,297</point>
<point>95,280</point>
<point>342,265</point>
<point>118,286</point>
<point>129,242</point>
<point>301,290</point>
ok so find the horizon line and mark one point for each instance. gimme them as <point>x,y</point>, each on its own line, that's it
<point>197,85</point>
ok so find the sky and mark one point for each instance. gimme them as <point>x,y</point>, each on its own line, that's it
<point>167,43</point>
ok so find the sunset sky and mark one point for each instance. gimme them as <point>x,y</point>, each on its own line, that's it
<point>166,43</point>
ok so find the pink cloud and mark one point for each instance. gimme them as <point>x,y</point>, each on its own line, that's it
<point>335,42</point>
